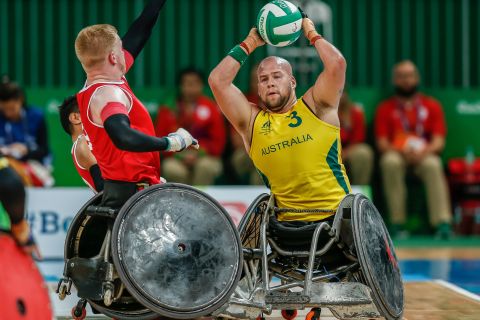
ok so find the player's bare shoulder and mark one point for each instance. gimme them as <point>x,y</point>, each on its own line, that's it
<point>84,156</point>
<point>104,95</point>
<point>109,93</point>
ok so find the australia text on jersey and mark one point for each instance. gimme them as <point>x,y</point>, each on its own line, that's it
<point>286,144</point>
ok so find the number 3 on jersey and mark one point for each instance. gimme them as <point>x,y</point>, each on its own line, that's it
<point>297,120</point>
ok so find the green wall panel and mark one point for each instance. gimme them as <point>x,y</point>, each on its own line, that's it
<point>37,38</point>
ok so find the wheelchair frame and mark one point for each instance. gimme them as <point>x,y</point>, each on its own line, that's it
<point>255,295</point>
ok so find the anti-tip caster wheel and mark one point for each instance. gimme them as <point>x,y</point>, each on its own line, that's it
<point>314,314</point>
<point>79,314</point>
<point>62,291</point>
<point>108,297</point>
<point>289,314</point>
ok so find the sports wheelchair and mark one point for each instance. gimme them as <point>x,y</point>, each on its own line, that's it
<point>173,251</point>
<point>347,265</point>
<point>170,251</point>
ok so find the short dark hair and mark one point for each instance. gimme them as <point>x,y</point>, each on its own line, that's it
<point>68,106</point>
<point>190,70</point>
<point>10,90</point>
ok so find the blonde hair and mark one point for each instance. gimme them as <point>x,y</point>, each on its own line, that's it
<point>94,42</point>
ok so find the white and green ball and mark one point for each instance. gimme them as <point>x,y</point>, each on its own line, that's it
<point>279,23</point>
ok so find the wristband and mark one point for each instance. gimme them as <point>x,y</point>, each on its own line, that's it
<point>314,39</point>
<point>238,54</point>
<point>244,46</point>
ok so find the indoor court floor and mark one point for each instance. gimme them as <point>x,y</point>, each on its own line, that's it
<point>442,281</point>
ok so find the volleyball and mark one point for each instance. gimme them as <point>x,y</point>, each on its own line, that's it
<point>279,23</point>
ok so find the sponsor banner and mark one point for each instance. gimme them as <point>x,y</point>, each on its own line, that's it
<point>50,211</point>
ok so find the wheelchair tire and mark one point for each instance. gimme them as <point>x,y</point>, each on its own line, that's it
<point>177,251</point>
<point>249,226</point>
<point>377,258</point>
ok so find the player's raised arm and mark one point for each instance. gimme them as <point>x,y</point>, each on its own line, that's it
<point>326,93</point>
<point>110,108</point>
<point>231,100</point>
<point>140,30</point>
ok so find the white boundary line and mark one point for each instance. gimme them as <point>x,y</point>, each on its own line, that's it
<point>457,289</point>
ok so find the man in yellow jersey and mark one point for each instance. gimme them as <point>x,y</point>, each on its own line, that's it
<point>293,142</point>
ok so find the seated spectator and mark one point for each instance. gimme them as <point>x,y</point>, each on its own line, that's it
<point>23,136</point>
<point>200,116</point>
<point>240,160</point>
<point>82,156</point>
<point>410,134</point>
<point>356,154</point>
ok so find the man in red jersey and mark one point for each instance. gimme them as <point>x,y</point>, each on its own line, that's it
<point>357,155</point>
<point>410,133</point>
<point>83,159</point>
<point>199,115</point>
<point>115,122</point>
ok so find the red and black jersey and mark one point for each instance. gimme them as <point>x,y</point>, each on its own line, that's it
<point>83,172</point>
<point>116,164</point>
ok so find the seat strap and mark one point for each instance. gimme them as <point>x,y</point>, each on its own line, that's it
<point>281,210</point>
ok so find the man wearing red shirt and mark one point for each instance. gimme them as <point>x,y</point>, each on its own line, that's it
<point>200,116</point>
<point>116,124</point>
<point>410,134</point>
<point>356,154</point>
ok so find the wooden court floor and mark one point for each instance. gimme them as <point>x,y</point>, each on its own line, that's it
<point>428,300</point>
<point>432,300</point>
<point>425,301</point>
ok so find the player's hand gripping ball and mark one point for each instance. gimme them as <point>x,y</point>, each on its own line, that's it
<point>279,23</point>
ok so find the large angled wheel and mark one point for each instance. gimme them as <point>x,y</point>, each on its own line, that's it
<point>377,258</point>
<point>177,251</point>
<point>249,226</point>
<point>249,230</point>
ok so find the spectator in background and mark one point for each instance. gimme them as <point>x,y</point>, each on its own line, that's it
<point>23,136</point>
<point>356,154</point>
<point>410,134</point>
<point>241,162</point>
<point>201,117</point>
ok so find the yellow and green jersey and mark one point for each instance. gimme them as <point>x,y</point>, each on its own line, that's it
<point>299,157</point>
